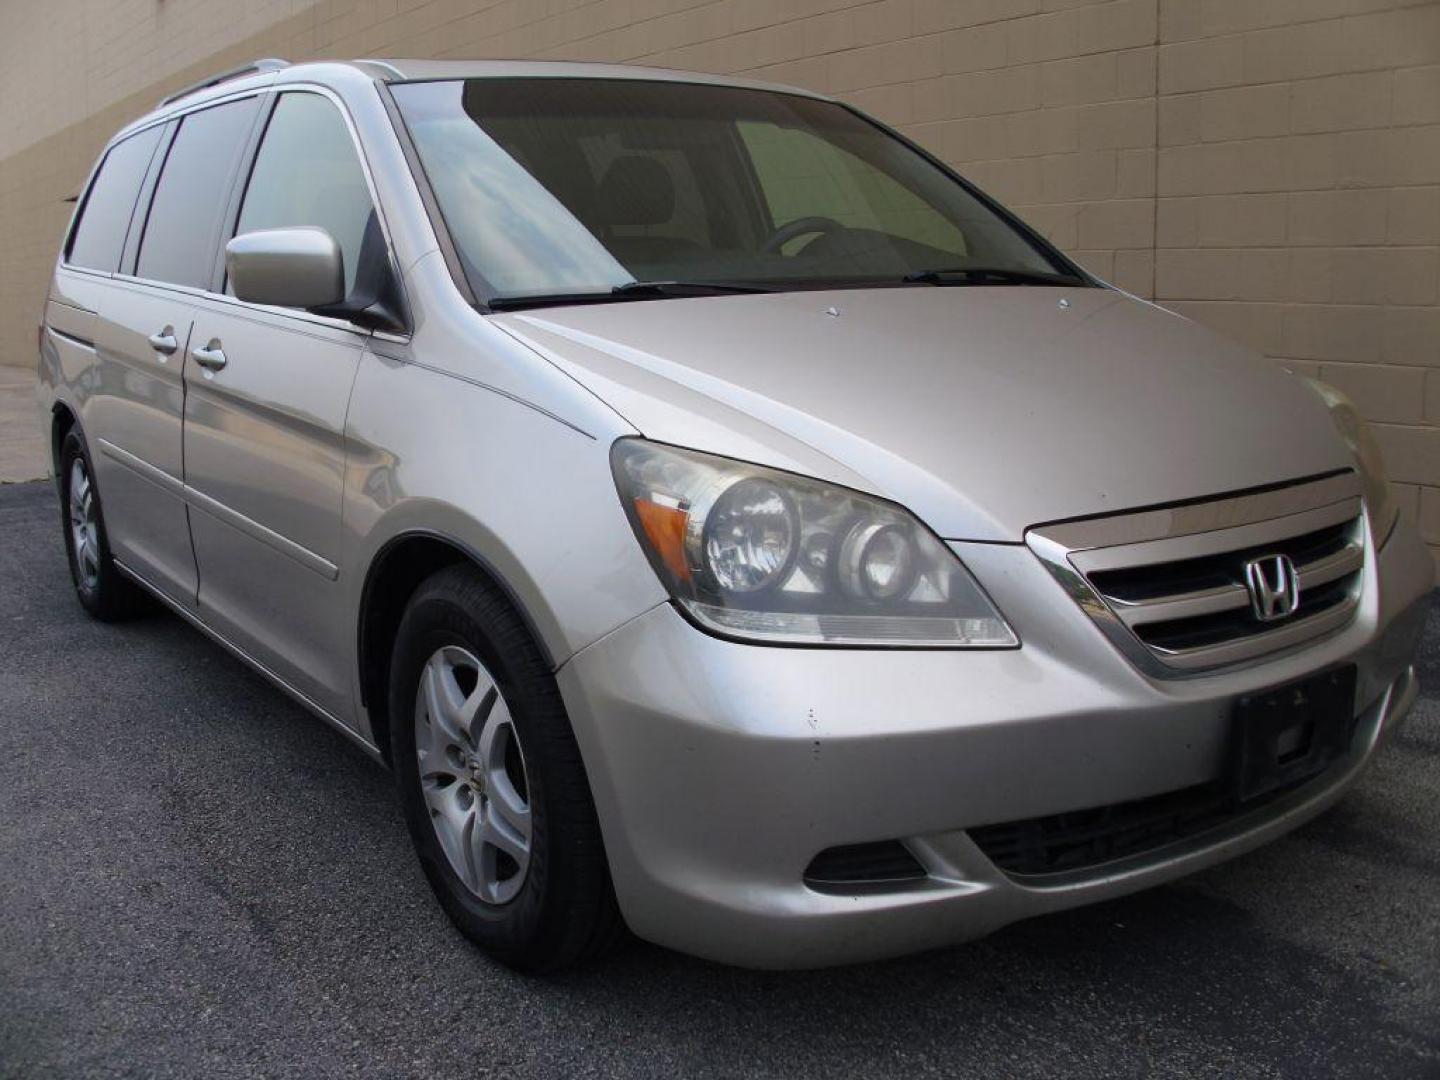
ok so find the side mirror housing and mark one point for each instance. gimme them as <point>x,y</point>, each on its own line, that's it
<point>299,267</point>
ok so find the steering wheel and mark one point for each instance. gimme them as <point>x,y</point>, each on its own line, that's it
<point>800,227</point>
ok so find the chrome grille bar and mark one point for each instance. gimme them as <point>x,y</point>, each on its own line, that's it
<point>1345,561</point>
<point>1184,606</point>
<point>1258,645</point>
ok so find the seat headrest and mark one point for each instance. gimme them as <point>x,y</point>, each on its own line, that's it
<point>636,190</point>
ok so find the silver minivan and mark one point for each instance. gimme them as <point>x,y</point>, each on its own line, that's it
<point>724,520</point>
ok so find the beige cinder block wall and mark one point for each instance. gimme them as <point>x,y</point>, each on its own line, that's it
<point>1270,167</point>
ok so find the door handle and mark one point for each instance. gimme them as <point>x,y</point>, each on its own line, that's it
<point>211,357</point>
<point>164,342</point>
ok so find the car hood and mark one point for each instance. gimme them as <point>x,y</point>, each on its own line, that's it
<point>985,410</point>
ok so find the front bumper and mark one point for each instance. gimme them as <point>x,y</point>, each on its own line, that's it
<point>720,770</point>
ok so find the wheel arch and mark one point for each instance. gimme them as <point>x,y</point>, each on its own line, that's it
<point>398,568</point>
<point>62,421</point>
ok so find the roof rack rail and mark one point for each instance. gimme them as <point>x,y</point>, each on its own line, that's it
<point>254,67</point>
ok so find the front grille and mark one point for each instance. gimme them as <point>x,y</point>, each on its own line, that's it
<point>885,862</point>
<point>1168,586</point>
<point>1328,561</point>
<point>1084,839</point>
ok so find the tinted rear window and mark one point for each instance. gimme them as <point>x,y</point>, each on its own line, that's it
<point>184,223</point>
<point>100,232</point>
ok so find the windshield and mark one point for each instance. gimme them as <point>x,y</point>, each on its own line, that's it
<point>580,186</point>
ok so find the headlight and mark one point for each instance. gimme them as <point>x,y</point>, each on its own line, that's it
<point>754,553</point>
<point>1379,503</point>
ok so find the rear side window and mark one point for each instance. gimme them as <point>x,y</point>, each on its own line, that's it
<point>307,172</point>
<point>184,222</point>
<point>99,234</point>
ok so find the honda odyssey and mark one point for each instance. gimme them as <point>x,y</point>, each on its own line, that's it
<point>725,520</point>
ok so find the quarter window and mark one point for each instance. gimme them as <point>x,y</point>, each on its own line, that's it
<point>184,223</point>
<point>99,234</point>
<point>308,173</point>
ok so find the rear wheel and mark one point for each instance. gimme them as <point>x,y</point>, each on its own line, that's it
<point>494,791</point>
<point>103,591</point>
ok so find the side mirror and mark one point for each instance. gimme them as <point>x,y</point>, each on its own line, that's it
<point>300,267</point>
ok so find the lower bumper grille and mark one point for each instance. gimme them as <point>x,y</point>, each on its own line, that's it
<point>1085,839</point>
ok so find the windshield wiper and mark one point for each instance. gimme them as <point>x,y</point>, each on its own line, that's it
<point>631,290</point>
<point>989,275</point>
<point>687,288</point>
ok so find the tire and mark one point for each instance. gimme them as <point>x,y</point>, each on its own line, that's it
<point>103,591</point>
<point>558,909</point>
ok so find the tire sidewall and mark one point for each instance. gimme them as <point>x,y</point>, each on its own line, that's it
<point>73,447</point>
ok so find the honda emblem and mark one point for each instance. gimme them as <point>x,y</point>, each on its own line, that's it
<point>1274,587</point>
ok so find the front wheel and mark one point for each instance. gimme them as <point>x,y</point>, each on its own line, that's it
<point>493,788</point>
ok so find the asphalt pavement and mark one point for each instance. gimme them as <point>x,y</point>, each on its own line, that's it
<point>199,879</point>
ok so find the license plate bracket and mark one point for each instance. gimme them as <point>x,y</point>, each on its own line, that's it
<point>1288,734</point>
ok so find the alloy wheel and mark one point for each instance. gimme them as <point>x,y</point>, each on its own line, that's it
<point>84,530</point>
<point>472,774</point>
